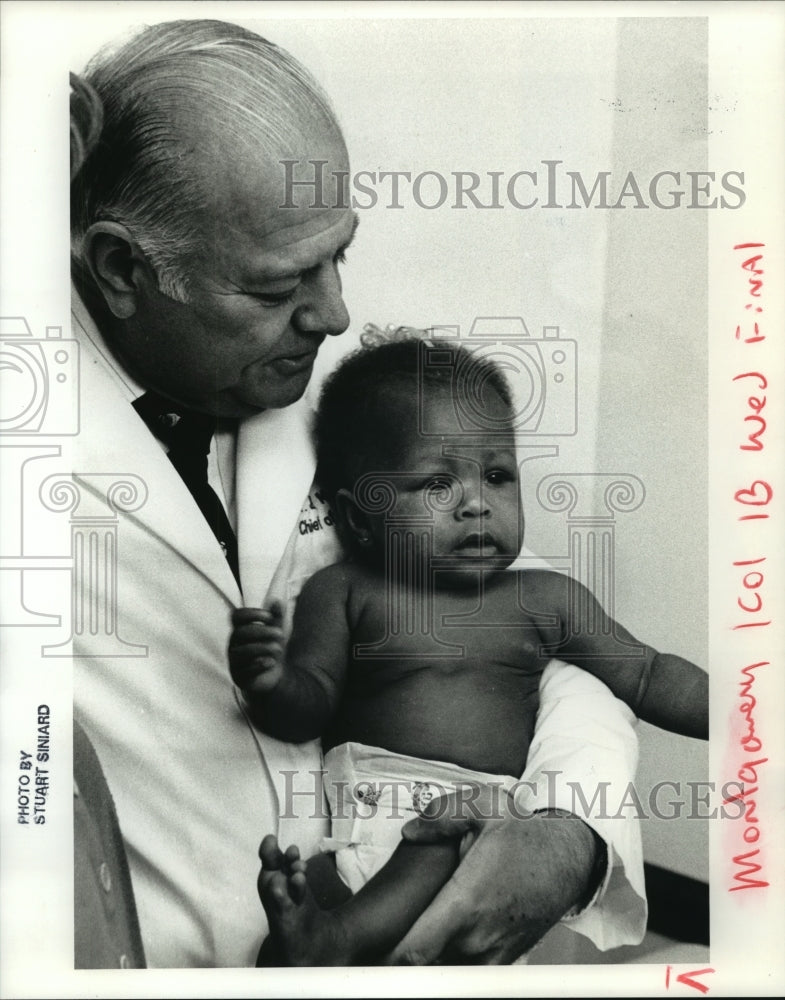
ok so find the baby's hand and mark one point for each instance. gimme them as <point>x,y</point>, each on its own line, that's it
<point>256,648</point>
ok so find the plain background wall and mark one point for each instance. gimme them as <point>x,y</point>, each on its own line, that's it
<point>652,404</point>
<point>628,285</point>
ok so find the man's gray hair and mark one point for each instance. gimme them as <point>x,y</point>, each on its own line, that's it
<point>140,171</point>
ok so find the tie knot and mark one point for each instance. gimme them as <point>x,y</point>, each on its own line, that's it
<point>179,429</point>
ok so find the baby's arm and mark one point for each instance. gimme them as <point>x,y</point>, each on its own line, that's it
<point>292,690</point>
<point>660,688</point>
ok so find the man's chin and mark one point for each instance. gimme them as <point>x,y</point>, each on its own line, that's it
<point>276,397</point>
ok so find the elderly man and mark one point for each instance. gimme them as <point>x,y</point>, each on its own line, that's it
<point>201,304</point>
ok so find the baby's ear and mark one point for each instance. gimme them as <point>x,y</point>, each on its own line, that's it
<point>354,521</point>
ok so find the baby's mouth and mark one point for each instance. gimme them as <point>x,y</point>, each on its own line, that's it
<point>479,543</point>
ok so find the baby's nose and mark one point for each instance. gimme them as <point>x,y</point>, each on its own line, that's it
<point>473,503</point>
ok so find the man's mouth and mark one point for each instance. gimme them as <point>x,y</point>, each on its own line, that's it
<point>293,364</point>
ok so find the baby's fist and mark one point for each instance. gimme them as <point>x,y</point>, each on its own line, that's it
<point>256,648</point>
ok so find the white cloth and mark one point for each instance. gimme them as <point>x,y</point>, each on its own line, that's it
<point>372,792</point>
<point>196,787</point>
<point>590,742</point>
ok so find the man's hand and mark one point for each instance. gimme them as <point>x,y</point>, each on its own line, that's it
<point>518,877</point>
<point>256,648</point>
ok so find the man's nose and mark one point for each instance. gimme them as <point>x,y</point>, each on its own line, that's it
<point>325,312</point>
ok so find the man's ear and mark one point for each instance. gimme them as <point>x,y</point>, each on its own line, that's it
<point>354,520</point>
<point>118,266</point>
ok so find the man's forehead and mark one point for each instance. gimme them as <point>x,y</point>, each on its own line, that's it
<point>236,134</point>
<point>250,215</point>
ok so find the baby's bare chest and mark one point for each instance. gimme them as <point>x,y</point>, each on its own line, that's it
<point>444,676</point>
<point>448,632</point>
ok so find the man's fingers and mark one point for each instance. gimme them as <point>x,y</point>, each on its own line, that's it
<point>438,828</point>
<point>457,930</point>
<point>449,816</point>
<point>443,922</point>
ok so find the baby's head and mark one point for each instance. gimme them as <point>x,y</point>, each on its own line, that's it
<point>421,432</point>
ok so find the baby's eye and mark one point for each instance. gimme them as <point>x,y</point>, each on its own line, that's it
<point>439,489</point>
<point>439,484</point>
<point>498,477</point>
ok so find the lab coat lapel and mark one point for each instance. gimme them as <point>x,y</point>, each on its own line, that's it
<point>115,442</point>
<point>275,468</point>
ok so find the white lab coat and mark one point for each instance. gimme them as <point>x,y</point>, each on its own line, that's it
<point>196,786</point>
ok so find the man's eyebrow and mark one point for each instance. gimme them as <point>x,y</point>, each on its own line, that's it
<point>355,227</point>
<point>273,276</point>
<point>350,239</point>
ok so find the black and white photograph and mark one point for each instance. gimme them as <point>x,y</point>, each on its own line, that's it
<point>391,437</point>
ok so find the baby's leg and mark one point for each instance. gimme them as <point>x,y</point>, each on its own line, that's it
<point>361,930</point>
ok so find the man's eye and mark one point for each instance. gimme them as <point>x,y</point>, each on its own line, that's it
<point>279,299</point>
<point>340,257</point>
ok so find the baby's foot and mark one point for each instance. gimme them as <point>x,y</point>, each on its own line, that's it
<point>300,933</point>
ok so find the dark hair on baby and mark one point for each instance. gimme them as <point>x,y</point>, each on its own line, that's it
<point>354,423</point>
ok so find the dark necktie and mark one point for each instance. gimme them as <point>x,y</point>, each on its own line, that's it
<point>187,436</point>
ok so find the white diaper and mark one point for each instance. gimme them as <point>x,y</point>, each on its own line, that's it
<point>373,792</point>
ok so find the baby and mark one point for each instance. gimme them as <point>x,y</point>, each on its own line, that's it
<point>418,659</point>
